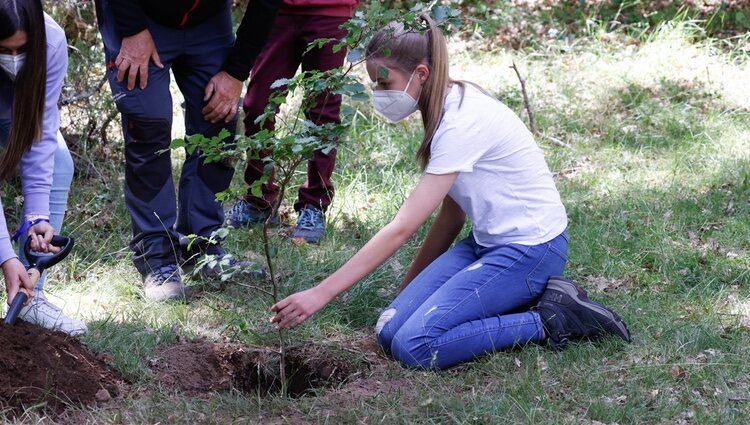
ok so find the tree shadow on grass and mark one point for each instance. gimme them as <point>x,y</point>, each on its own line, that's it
<point>669,116</point>
<point>671,238</point>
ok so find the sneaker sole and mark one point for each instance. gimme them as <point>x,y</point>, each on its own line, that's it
<point>307,236</point>
<point>575,292</point>
<point>166,292</point>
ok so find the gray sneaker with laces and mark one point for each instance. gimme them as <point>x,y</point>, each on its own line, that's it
<point>311,225</point>
<point>244,214</point>
<point>41,312</point>
<point>164,284</point>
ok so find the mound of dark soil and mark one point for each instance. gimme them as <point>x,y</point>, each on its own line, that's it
<point>200,367</point>
<point>41,366</point>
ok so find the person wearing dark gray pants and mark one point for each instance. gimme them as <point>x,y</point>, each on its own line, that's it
<point>143,41</point>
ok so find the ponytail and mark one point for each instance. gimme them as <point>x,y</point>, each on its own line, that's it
<point>31,83</point>
<point>405,49</point>
<point>432,99</point>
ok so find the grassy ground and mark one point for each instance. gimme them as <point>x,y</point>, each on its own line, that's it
<point>657,188</point>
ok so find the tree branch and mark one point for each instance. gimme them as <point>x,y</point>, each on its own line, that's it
<point>526,102</point>
<point>84,95</point>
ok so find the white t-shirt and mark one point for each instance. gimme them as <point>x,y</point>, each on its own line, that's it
<point>504,184</point>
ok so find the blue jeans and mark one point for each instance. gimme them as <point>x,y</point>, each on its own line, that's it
<point>469,302</point>
<point>62,176</point>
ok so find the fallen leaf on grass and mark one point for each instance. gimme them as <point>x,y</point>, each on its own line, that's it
<point>604,284</point>
<point>678,372</point>
<point>299,241</point>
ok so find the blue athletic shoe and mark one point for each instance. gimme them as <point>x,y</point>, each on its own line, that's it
<point>311,225</point>
<point>244,214</point>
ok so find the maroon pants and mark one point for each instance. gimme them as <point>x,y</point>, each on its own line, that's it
<point>280,58</point>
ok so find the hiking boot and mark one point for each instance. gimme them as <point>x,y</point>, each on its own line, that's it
<point>41,312</point>
<point>245,214</point>
<point>568,313</point>
<point>164,284</point>
<point>215,263</point>
<point>311,225</point>
<point>224,266</point>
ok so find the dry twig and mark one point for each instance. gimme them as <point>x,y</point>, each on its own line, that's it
<point>526,102</point>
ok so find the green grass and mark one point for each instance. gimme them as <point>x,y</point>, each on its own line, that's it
<point>657,189</point>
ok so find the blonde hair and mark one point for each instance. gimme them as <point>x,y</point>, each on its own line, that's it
<point>404,48</point>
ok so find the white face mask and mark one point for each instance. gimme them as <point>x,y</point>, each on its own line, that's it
<point>394,105</point>
<point>12,64</point>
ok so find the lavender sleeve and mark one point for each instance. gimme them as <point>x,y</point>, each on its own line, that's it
<point>6,249</point>
<point>37,164</point>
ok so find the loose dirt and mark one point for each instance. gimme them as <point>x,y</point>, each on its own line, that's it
<point>41,366</point>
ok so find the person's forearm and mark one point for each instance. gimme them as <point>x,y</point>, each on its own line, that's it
<point>386,242</point>
<point>439,238</point>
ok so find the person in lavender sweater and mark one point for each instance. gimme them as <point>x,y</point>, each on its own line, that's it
<point>34,60</point>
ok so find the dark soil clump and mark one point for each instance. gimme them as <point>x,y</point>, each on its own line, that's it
<point>200,367</point>
<point>41,366</point>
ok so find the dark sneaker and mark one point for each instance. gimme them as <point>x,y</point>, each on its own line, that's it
<point>164,284</point>
<point>224,267</point>
<point>311,225</point>
<point>568,313</point>
<point>244,214</point>
<point>214,263</point>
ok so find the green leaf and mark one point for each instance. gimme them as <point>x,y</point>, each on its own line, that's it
<point>361,97</point>
<point>383,72</point>
<point>281,82</point>
<point>347,112</point>
<point>354,55</point>
<point>220,233</point>
<point>439,13</point>
<point>256,189</point>
<point>353,88</point>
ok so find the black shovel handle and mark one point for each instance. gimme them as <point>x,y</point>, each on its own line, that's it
<point>15,308</point>
<point>40,262</point>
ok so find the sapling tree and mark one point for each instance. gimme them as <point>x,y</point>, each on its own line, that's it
<point>295,135</point>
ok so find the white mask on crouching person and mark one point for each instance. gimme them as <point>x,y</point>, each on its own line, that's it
<point>394,105</point>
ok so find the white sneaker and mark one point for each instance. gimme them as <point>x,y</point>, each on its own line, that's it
<point>43,313</point>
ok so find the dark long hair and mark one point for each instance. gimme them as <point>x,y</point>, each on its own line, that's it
<point>31,82</point>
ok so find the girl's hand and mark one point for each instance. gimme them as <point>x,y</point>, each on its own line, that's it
<point>16,279</point>
<point>40,235</point>
<point>296,308</point>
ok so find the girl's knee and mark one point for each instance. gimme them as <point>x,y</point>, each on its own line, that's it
<point>64,164</point>
<point>413,350</point>
<point>383,332</point>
